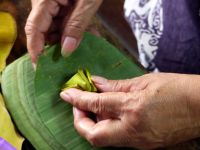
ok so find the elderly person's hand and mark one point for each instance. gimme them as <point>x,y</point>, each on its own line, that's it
<point>54,20</point>
<point>150,111</point>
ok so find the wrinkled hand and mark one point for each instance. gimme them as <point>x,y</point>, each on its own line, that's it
<point>55,20</point>
<point>150,111</point>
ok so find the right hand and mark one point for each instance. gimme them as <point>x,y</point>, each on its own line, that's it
<point>58,20</point>
<point>151,111</point>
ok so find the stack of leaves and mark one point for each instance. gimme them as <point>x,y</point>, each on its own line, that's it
<point>33,97</point>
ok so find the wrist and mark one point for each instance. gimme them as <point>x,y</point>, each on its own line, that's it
<point>186,121</point>
<point>191,92</point>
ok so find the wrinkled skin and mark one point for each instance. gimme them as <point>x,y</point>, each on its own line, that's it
<point>154,110</point>
<point>58,20</point>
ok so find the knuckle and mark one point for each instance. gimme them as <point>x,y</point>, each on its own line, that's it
<point>97,105</point>
<point>76,102</point>
<point>29,28</point>
<point>134,107</point>
<point>116,85</point>
<point>75,27</point>
<point>53,8</point>
<point>82,101</point>
<point>75,23</point>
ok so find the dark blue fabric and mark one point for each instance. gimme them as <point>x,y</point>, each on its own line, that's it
<point>179,46</point>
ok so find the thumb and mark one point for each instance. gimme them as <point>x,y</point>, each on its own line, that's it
<point>77,23</point>
<point>99,103</point>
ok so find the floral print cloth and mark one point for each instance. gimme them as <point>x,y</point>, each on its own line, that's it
<point>167,33</point>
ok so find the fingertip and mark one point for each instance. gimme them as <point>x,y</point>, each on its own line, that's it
<point>99,80</point>
<point>66,97</point>
<point>69,94</point>
<point>68,46</point>
<point>101,83</point>
<point>71,91</point>
<point>34,61</point>
<point>82,123</point>
<point>62,94</point>
<point>34,51</point>
<point>78,114</point>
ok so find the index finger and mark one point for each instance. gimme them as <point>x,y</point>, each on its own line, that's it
<point>109,103</point>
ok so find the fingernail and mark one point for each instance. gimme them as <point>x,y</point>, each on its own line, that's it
<point>74,111</point>
<point>69,45</point>
<point>98,80</point>
<point>34,66</point>
<point>66,97</point>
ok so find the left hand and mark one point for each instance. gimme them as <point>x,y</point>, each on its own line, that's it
<point>150,111</point>
<point>58,20</point>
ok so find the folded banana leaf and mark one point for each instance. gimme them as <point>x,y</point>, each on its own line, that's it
<point>33,97</point>
<point>81,80</point>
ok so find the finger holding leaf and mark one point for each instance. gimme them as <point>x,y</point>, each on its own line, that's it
<point>146,115</point>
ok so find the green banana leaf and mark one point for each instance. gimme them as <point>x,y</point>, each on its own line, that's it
<point>33,97</point>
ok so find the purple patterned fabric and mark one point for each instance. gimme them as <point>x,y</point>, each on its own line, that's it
<point>4,145</point>
<point>146,20</point>
<point>179,46</point>
<point>167,33</point>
